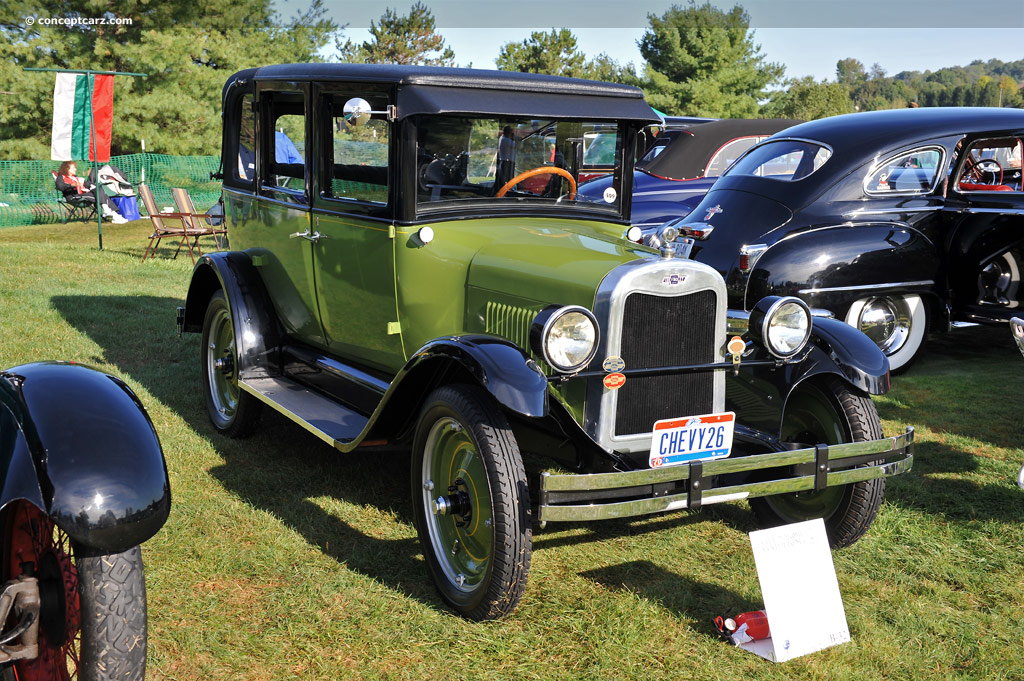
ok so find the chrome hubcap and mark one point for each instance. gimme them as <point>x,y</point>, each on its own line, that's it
<point>886,321</point>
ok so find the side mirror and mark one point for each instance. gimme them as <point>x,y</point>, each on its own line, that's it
<point>357,111</point>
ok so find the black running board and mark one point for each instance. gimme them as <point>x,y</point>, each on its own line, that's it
<point>333,423</point>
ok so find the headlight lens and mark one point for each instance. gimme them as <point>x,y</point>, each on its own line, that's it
<point>788,328</point>
<point>783,325</point>
<point>566,337</point>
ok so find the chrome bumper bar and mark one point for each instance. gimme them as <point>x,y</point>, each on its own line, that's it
<point>832,465</point>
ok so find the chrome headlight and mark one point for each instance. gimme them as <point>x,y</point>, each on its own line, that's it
<point>566,337</point>
<point>782,325</point>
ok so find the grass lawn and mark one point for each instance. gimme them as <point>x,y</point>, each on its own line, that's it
<point>285,559</point>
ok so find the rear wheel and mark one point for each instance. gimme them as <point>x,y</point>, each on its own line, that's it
<point>897,324</point>
<point>471,502</point>
<point>831,413</point>
<point>232,411</point>
<point>92,619</point>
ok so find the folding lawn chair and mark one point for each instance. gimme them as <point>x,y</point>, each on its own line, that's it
<point>161,229</point>
<point>193,220</point>
<point>82,210</point>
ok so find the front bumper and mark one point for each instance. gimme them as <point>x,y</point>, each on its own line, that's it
<point>598,496</point>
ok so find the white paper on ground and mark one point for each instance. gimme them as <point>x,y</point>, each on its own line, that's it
<point>800,590</point>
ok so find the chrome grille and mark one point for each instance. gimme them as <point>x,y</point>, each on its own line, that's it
<point>661,331</point>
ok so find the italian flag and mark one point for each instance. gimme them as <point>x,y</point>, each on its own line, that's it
<point>75,122</point>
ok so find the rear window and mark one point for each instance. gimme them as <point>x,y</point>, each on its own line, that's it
<point>788,160</point>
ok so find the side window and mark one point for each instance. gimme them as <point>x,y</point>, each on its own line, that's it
<point>992,165</point>
<point>359,166</point>
<point>913,172</point>
<point>725,156</point>
<point>287,142</point>
<point>245,170</point>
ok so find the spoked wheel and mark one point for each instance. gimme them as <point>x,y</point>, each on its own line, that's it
<point>472,505</point>
<point>897,324</point>
<point>92,619</point>
<point>233,412</point>
<point>828,413</point>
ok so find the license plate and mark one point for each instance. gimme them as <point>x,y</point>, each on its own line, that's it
<point>692,438</point>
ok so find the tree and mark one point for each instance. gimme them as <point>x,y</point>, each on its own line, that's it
<point>850,72</point>
<point>804,98</point>
<point>557,54</point>
<point>702,61</point>
<point>401,39</point>
<point>188,48</point>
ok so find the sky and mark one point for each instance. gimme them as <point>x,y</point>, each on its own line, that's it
<point>807,36</point>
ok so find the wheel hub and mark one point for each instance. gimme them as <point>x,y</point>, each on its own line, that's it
<point>455,504</point>
<point>225,365</point>
<point>886,323</point>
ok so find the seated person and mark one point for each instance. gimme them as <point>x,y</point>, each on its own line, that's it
<point>77,190</point>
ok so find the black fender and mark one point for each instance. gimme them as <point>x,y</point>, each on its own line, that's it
<point>759,394</point>
<point>78,444</point>
<point>832,267</point>
<point>258,334</point>
<point>497,365</point>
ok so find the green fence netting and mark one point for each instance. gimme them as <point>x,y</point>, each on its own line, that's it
<point>29,197</point>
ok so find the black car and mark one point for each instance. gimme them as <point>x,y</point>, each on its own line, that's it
<point>82,484</point>
<point>683,162</point>
<point>898,222</point>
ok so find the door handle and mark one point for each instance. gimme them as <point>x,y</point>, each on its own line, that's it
<point>314,237</point>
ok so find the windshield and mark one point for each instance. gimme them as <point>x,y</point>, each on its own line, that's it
<point>507,162</point>
<point>788,160</point>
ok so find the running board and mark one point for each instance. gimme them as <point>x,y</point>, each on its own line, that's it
<point>333,423</point>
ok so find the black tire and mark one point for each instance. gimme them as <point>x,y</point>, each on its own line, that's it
<point>108,590</point>
<point>479,550</point>
<point>830,412</point>
<point>234,413</point>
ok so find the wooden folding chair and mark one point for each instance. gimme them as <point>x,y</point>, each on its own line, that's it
<point>161,229</point>
<point>194,220</point>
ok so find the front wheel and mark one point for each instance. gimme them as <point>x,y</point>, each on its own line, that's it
<point>471,502</point>
<point>92,619</point>
<point>896,323</point>
<point>832,412</point>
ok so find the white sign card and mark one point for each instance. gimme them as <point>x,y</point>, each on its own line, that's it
<point>800,590</point>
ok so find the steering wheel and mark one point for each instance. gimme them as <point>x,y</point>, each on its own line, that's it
<point>543,170</point>
<point>986,165</point>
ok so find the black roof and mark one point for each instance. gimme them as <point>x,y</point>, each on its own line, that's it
<point>447,77</point>
<point>688,154</point>
<point>861,139</point>
<point>434,89</point>
<point>876,131</point>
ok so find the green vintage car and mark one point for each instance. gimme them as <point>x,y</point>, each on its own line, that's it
<point>406,285</point>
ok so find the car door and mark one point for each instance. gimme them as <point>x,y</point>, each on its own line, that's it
<point>283,254</point>
<point>985,210</point>
<point>353,230</point>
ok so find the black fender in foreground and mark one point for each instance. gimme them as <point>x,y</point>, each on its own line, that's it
<point>498,366</point>
<point>759,394</point>
<point>78,444</point>
<point>258,334</point>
